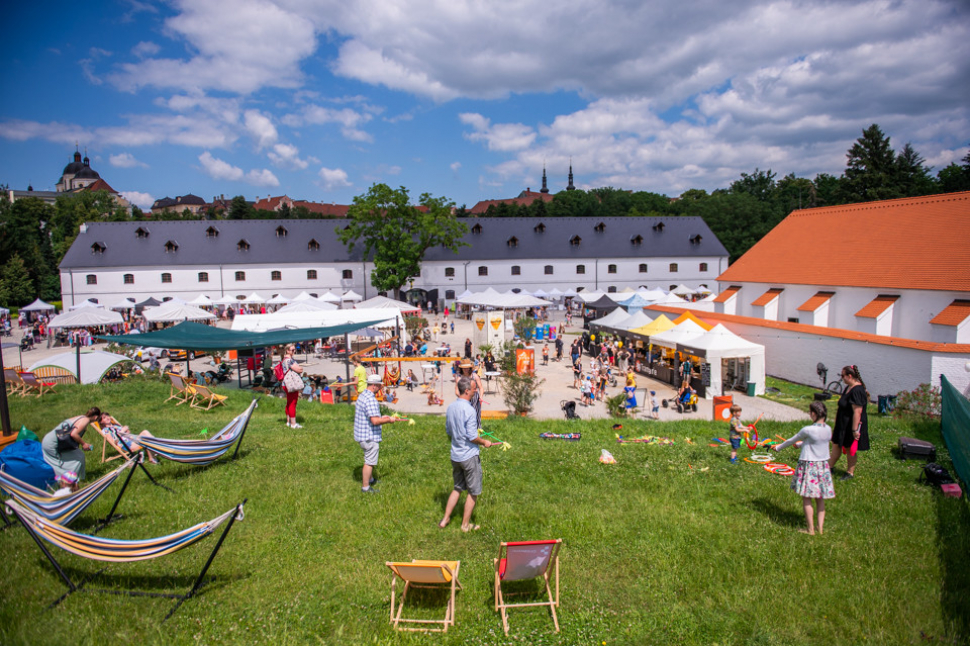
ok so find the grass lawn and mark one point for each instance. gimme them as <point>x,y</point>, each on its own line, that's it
<point>672,545</point>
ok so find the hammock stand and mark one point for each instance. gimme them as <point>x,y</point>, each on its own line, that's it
<point>200,581</point>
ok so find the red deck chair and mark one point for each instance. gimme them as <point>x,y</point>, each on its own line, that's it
<point>525,560</point>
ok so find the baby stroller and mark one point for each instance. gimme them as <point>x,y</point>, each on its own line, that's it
<point>569,408</point>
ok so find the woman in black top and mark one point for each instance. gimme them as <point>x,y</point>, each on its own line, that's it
<point>851,432</point>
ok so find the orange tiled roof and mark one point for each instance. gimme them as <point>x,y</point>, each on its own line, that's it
<point>767,297</point>
<point>953,314</point>
<point>524,199</point>
<point>727,294</point>
<point>100,185</point>
<point>913,243</point>
<point>876,306</point>
<point>929,346</point>
<point>815,302</point>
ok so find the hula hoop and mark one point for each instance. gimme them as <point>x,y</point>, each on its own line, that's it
<point>760,458</point>
<point>751,461</point>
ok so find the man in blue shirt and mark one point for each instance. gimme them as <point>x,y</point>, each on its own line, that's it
<point>466,465</point>
<point>367,429</point>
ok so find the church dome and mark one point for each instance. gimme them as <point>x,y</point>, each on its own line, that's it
<point>75,166</point>
<point>87,172</point>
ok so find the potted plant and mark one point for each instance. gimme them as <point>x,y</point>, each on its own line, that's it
<point>616,405</point>
<point>519,391</point>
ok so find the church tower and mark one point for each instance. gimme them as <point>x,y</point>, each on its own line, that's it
<point>545,187</point>
<point>569,186</point>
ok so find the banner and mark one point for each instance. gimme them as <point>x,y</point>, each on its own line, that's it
<point>525,361</point>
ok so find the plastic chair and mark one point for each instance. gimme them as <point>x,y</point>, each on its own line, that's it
<point>525,560</point>
<point>440,575</point>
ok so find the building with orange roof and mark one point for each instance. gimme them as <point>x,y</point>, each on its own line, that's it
<point>895,268</point>
<point>525,198</point>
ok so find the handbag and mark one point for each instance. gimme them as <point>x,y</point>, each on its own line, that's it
<point>65,442</point>
<point>292,382</point>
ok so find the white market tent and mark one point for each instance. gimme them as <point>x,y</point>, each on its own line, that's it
<point>173,312</point>
<point>87,303</point>
<point>302,296</point>
<point>683,333</point>
<point>670,298</point>
<point>720,343</point>
<point>351,295</point>
<point>540,294</point>
<point>329,297</point>
<point>652,295</point>
<point>279,299</point>
<point>225,300</point>
<point>553,293</point>
<point>383,302</point>
<point>589,297</point>
<point>201,301</point>
<point>94,365</point>
<point>318,318</point>
<point>254,299</point>
<point>570,293</point>
<point>312,305</point>
<point>86,317</point>
<point>465,294</point>
<point>491,298</point>
<point>637,319</point>
<point>682,290</point>
<point>123,304</point>
<point>610,320</point>
<point>37,306</point>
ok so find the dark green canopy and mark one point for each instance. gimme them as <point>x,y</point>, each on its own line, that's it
<point>196,336</point>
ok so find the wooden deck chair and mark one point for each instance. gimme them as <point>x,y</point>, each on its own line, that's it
<point>34,385</point>
<point>441,575</point>
<point>181,391</point>
<point>110,440</point>
<point>205,399</point>
<point>15,385</point>
<point>527,560</point>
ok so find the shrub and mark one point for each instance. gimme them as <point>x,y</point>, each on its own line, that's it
<point>616,405</point>
<point>923,401</point>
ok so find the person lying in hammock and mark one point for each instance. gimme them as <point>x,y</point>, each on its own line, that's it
<point>113,427</point>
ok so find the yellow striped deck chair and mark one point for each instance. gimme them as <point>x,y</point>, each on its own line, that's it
<point>440,575</point>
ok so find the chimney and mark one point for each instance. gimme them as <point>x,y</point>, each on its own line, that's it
<point>83,228</point>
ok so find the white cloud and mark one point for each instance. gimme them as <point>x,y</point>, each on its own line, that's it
<point>333,178</point>
<point>455,166</point>
<point>261,128</point>
<point>218,169</point>
<point>502,137</point>
<point>287,156</point>
<point>145,48</point>
<point>125,160</point>
<point>143,201</point>
<point>262,177</point>
<point>349,120</point>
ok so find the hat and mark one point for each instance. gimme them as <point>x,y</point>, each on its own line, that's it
<point>68,477</point>
<point>466,363</point>
<point>375,379</point>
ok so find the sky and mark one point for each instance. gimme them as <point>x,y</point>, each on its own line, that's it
<point>470,99</point>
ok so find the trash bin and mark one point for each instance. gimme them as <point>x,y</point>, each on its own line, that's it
<point>751,385</point>
<point>722,408</point>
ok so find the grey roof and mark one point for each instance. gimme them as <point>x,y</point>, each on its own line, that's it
<point>600,238</point>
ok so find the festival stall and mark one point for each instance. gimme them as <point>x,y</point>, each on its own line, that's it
<point>172,312</point>
<point>728,361</point>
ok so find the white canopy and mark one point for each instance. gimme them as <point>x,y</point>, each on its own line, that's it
<point>637,319</point>
<point>201,301</point>
<point>170,312</point>
<point>570,293</point>
<point>87,303</point>
<point>465,294</point>
<point>612,319</point>
<point>686,332</point>
<point>670,298</point>
<point>94,365</point>
<point>540,294</point>
<point>491,298</point>
<point>652,295</point>
<point>383,302</point>
<point>351,295</point>
<point>226,300</point>
<point>279,299</point>
<point>589,297</point>
<point>319,318</point>
<point>37,306</point>
<point>302,296</point>
<point>682,290</point>
<point>174,300</point>
<point>4,310</point>
<point>86,317</point>
<point>254,299</point>
<point>312,305</point>
<point>720,343</point>
<point>329,297</point>
<point>123,304</point>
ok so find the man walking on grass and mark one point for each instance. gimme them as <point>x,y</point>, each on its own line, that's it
<point>466,464</point>
<point>367,429</point>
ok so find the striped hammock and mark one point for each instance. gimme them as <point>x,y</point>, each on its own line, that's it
<point>200,452</point>
<point>58,510</point>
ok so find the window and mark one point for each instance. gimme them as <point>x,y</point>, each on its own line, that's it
<point>575,241</point>
<point>483,270</point>
<point>672,288</point>
<point>643,267</point>
<point>276,275</point>
<point>92,279</point>
<point>129,279</point>
<point>611,269</point>
<point>477,229</point>
<point>611,289</point>
<point>166,278</point>
<point>548,270</point>
<point>792,319</point>
<point>703,266</point>
<point>242,245</point>
<point>313,245</point>
<point>636,240</point>
<point>512,242</point>
<point>171,246</point>
<point>449,272</point>
<point>212,232</point>
<point>516,270</point>
<point>240,276</point>
<point>281,231</point>
<point>203,276</point>
<point>673,268</point>
<point>659,227</point>
<point>141,232</point>
<point>449,294</point>
<point>348,274</point>
<point>695,239</point>
<point>311,274</point>
<point>98,248</point>
<point>600,228</point>
<point>539,228</point>
<point>580,269</point>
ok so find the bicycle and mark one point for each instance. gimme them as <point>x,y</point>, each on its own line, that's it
<point>833,386</point>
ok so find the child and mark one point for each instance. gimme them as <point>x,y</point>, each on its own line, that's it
<point>412,380</point>
<point>452,327</point>
<point>587,389</point>
<point>813,477</point>
<point>736,432</point>
<point>68,484</point>
<point>545,355</point>
<point>654,406</point>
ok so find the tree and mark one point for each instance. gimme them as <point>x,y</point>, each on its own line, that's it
<point>795,193</point>
<point>912,176</point>
<point>871,171</point>
<point>16,287</point>
<point>759,184</point>
<point>827,189</point>
<point>240,209</point>
<point>954,177</point>
<point>738,220</point>
<point>396,235</point>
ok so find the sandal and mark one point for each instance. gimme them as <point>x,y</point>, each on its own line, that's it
<point>471,528</point>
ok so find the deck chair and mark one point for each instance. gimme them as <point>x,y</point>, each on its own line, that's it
<point>122,551</point>
<point>205,399</point>
<point>64,510</point>
<point>440,575</point>
<point>109,439</point>
<point>15,385</point>
<point>34,385</point>
<point>181,391</point>
<point>522,561</point>
<point>198,452</point>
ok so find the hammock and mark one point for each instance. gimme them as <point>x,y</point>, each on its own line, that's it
<point>200,452</point>
<point>121,551</point>
<point>65,509</point>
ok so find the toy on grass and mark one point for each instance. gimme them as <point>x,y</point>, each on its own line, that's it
<point>779,468</point>
<point>758,458</point>
<point>646,439</point>
<point>753,428</point>
<point>561,436</point>
<point>606,457</point>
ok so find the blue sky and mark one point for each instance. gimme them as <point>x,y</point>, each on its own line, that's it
<point>318,99</point>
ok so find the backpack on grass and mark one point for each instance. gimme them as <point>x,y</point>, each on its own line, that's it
<point>936,475</point>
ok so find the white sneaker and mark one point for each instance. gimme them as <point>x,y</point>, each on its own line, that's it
<point>295,425</point>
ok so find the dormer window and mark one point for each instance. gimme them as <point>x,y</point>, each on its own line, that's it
<point>658,227</point>
<point>600,228</point>
<point>539,228</point>
<point>98,248</point>
<point>242,245</point>
<point>142,232</point>
<point>695,239</point>
<point>281,231</point>
<point>313,245</point>
<point>512,242</point>
<point>637,239</point>
<point>477,229</point>
<point>575,241</point>
<point>212,232</point>
<point>171,246</point>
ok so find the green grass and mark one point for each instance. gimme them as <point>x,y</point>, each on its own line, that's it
<point>656,550</point>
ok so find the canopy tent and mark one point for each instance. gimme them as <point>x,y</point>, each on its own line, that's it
<point>312,305</point>
<point>317,319</point>
<point>94,365</point>
<point>610,320</point>
<point>87,303</point>
<point>196,336</point>
<point>652,295</point>
<point>465,294</point>
<point>540,294</point>
<point>682,333</point>
<point>589,297</point>
<point>201,301</point>
<point>225,300</point>
<point>174,300</point>
<point>480,298</point>
<point>554,293</point>
<point>570,293</point>
<point>720,343</point>
<point>634,303</point>
<point>383,302</point>
<point>635,320</point>
<point>670,298</point>
<point>279,299</point>
<point>37,306</point>
<point>123,304</point>
<point>254,299</point>
<point>710,296</point>
<point>351,295</point>
<point>168,313</point>
<point>689,316</point>
<point>368,333</point>
<point>302,296</point>
<point>660,324</point>
<point>86,317</point>
<point>492,298</point>
<point>148,302</point>
<point>604,302</point>
<point>329,297</point>
<point>682,290</point>
<point>4,311</point>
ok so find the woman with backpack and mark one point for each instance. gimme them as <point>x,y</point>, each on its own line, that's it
<point>291,372</point>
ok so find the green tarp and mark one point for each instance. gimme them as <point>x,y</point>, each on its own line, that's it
<point>955,422</point>
<point>196,336</point>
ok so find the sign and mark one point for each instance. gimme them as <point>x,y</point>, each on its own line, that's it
<point>706,374</point>
<point>525,361</point>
